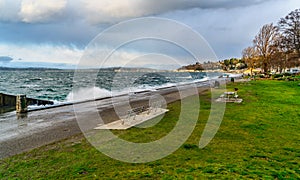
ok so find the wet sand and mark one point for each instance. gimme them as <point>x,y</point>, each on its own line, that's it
<point>41,127</point>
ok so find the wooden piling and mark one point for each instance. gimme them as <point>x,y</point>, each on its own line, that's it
<point>21,104</point>
<point>1,100</point>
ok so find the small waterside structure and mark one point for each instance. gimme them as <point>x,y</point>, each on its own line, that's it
<point>134,117</point>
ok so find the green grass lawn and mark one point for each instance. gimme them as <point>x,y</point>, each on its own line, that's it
<point>259,138</point>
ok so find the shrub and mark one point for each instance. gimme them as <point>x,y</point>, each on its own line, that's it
<point>278,75</point>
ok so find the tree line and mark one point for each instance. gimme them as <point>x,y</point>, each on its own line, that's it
<point>276,47</point>
<point>233,64</point>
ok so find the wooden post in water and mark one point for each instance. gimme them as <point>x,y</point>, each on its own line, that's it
<point>1,100</point>
<point>21,104</point>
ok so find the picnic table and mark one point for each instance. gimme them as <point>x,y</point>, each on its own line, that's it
<point>229,94</point>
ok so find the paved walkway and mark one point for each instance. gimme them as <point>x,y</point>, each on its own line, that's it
<point>38,128</point>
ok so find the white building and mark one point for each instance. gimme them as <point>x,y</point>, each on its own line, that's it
<point>294,70</point>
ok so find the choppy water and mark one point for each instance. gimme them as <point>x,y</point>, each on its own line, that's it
<point>57,85</point>
<point>65,85</point>
<point>52,85</point>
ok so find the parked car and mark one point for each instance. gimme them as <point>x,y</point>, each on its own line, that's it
<point>293,71</point>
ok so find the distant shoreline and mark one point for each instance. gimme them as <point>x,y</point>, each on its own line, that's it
<point>27,68</point>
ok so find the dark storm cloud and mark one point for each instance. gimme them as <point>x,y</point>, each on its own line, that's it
<point>5,59</point>
<point>78,21</point>
<point>102,11</point>
<point>228,25</point>
<point>21,33</point>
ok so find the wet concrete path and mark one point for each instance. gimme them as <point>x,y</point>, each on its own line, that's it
<point>40,127</point>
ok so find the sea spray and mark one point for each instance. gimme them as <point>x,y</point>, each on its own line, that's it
<point>87,94</point>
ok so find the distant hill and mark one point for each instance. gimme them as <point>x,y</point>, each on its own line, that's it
<point>30,68</point>
<point>137,70</point>
<point>226,65</point>
<point>116,69</point>
<point>200,67</point>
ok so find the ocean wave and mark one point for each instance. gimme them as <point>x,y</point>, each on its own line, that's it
<point>89,93</point>
<point>59,86</point>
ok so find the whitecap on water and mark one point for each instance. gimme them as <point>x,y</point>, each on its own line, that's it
<point>87,94</point>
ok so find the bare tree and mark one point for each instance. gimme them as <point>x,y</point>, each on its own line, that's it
<point>290,28</point>
<point>279,61</point>
<point>265,43</point>
<point>250,58</point>
<point>276,47</point>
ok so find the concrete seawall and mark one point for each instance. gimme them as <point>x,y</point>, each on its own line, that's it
<point>8,102</point>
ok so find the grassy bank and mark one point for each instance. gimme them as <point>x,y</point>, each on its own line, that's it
<point>259,138</point>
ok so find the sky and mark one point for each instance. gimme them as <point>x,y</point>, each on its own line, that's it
<point>56,33</point>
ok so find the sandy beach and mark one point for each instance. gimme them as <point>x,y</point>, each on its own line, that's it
<point>45,126</point>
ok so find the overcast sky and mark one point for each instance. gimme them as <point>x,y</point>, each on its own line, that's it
<point>57,31</point>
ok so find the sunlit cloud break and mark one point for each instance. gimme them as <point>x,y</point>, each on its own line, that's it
<point>42,53</point>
